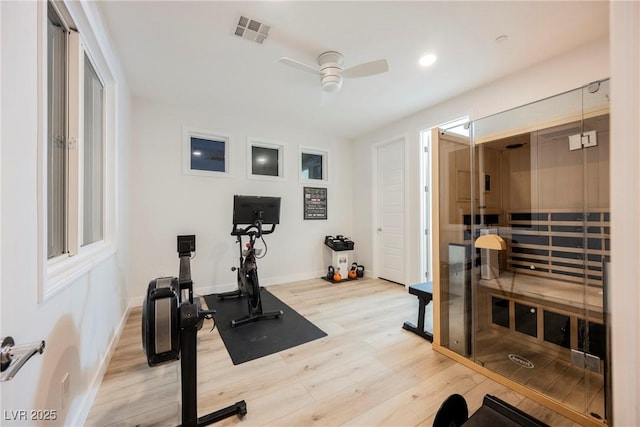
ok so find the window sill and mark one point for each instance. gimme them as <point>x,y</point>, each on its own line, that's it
<point>210,174</point>
<point>62,271</point>
<point>314,182</point>
<point>266,178</point>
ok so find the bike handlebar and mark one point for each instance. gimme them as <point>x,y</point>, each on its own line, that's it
<point>237,231</point>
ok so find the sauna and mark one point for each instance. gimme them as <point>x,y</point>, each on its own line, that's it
<point>522,249</point>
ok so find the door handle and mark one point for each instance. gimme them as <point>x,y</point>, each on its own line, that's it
<point>13,357</point>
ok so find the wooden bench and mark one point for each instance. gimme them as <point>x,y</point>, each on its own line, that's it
<point>545,311</point>
<point>424,292</point>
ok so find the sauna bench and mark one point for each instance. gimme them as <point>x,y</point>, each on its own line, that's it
<point>552,313</point>
<point>547,293</point>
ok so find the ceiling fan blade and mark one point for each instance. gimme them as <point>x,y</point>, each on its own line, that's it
<point>299,65</point>
<point>367,69</point>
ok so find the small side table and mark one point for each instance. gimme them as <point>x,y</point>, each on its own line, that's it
<point>424,292</point>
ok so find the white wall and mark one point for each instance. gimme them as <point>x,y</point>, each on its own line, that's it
<point>81,323</point>
<point>566,72</point>
<point>166,203</point>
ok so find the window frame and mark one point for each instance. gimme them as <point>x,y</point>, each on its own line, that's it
<point>325,165</point>
<point>57,272</point>
<point>190,132</point>
<point>82,151</point>
<point>263,143</point>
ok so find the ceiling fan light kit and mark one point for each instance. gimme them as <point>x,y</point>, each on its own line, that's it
<point>331,71</point>
<point>331,83</point>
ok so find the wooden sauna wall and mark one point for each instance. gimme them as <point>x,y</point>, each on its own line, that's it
<point>545,175</point>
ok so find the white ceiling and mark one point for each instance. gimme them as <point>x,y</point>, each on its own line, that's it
<point>185,53</point>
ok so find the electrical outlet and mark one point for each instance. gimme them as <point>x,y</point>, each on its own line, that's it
<point>64,391</point>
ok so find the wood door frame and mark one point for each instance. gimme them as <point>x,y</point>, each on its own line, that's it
<point>426,208</point>
<point>375,208</point>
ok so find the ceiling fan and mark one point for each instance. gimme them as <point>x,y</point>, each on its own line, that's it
<point>331,71</point>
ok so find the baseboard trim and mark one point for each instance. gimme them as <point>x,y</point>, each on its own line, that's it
<point>226,287</point>
<point>94,388</point>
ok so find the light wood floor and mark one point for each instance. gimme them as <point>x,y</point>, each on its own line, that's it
<point>368,371</point>
<point>552,374</point>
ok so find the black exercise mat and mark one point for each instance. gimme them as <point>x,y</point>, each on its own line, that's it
<point>263,337</point>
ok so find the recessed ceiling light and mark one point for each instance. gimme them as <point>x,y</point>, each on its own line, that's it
<point>427,60</point>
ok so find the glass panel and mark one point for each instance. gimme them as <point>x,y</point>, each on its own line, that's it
<point>207,155</point>
<point>524,232</point>
<point>56,130</point>
<point>92,196</point>
<point>538,201</point>
<point>454,170</point>
<point>592,329</point>
<point>311,166</point>
<point>264,161</point>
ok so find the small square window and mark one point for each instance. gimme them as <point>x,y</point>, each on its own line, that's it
<point>265,160</point>
<point>205,153</point>
<point>313,165</point>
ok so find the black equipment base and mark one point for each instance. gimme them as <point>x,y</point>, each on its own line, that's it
<point>424,292</point>
<point>346,279</point>
<point>190,321</point>
<point>452,413</point>
<point>254,315</point>
<point>238,408</point>
<point>252,341</point>
<point>493,412</point>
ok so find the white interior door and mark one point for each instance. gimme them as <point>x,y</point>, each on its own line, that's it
<point>391,211</point>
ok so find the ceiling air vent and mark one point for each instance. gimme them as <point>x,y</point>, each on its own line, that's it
<point>251,29</point>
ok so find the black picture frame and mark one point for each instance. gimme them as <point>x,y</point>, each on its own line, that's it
<point>314,201</point>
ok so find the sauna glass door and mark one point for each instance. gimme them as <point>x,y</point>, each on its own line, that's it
<point>534,237</point>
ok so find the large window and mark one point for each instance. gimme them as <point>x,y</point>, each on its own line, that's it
<point>75,153</point>
<point>56,133</point>
<point>92,194</point>
<point>75,134</point>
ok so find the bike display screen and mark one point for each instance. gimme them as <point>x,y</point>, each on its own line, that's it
<point>248,209</point>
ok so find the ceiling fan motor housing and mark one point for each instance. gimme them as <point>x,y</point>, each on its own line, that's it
<point>331,71</point>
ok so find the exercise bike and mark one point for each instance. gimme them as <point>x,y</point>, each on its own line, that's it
<point>256,211</point>
<point>169,332</point>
